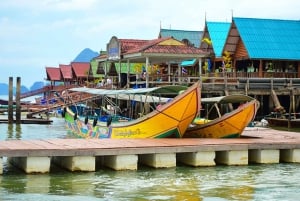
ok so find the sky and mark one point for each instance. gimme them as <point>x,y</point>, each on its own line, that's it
<point>35,34</point>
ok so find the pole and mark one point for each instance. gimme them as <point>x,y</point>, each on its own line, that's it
<point>10,101</point>
<point>18,103</point>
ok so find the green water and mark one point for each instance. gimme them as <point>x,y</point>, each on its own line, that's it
<point>252,182</point>
<point>259,182</point>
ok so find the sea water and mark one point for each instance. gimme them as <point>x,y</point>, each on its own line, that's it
<point>252,182</point>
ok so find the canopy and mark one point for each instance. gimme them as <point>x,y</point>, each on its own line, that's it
<point>227,99</point>
<point>137,94</point>
<point>188,62</point>
<point>164,90</point>
<point>140,98</point>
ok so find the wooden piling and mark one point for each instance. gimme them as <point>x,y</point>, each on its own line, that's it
<point>18,102</point>
<point>10,101</point>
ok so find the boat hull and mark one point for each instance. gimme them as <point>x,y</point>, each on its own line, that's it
<point>170,120</point>
<point>274,122</point>
<point>230,125</point>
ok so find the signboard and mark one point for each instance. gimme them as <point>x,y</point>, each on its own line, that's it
<point>113,49</point>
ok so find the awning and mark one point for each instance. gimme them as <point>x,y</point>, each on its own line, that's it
<point>188,62</point>
<point>227,99</point>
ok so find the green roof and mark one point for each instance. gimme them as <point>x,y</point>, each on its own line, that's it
<point>193,37</point>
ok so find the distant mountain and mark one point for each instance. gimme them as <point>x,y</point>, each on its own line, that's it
<point>86,55</point>
<point>24,89</point>
<point>37,85</point>
<point>3,89</point>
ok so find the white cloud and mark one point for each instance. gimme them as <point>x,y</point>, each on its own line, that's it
<point>39,33</point>
<point>67,5</point>
<point>50,5</point>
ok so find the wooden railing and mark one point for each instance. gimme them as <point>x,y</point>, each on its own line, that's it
<point>45,89</point>
<point>245,81</point>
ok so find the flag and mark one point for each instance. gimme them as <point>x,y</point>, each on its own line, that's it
<point>184,71</point>
<point>209,65</point>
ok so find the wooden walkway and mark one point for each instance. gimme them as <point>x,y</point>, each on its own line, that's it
<point>254,140</point>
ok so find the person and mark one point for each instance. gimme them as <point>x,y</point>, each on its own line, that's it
<point>109,81</point>
<point>250,68</point>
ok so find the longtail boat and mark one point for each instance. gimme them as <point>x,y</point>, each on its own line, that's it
<point>226,123</point>
<point>286,121</point>
<point>170,119</point>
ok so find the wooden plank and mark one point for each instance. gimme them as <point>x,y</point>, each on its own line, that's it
<point>251,139</point>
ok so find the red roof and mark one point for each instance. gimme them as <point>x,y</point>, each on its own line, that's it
<point>155,46</point>
<point>163,47</point>
<point>129,44</point>
<point>80,69</point>
<point>53,73</point>
<point>66,71</point>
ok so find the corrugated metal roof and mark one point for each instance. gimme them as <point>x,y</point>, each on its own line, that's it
<point>218,32</point>
<point>270,38</point>
<point>193,36</point>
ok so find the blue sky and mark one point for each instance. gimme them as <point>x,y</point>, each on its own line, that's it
<point>39,33</point>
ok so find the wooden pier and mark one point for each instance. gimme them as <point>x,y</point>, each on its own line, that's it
<point>29,121</point>
<point>257,145</point>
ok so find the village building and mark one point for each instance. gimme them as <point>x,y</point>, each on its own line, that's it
<point>156,61</point>
<point>245,50</point>
<point>257,48</point>
<point>245,47</point>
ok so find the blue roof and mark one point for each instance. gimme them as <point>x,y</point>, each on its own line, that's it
<point>193,36</point>
<point>218,32</point>
<point>270,38</point>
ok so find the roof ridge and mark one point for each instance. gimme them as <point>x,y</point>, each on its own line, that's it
<point>272,19</point>
<point>181,30</point>
<point>154,42</point>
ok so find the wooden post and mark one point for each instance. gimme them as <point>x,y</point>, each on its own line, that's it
<point>128,74</point>
<point>292,106</point>
<point>18,104</point>
<point>147,72</point>
<point>10,101</point>
<point>298,69</point>
<point>260,69</point>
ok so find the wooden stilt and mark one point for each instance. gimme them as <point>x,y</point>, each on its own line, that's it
<point>10,101</point>
<point>275,99</point>
<point>18,102</point>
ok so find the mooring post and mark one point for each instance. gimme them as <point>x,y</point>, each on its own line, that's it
<point>18,102</point>
<point>10,101</point>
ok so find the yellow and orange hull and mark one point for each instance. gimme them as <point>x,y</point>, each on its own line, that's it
<point>170,120</point>
<point>230,125</point>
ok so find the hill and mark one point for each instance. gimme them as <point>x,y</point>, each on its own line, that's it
<point>24,89</point>
<point>86,55</point>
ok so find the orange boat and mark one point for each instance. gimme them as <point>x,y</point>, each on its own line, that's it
<point>219,121</point>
